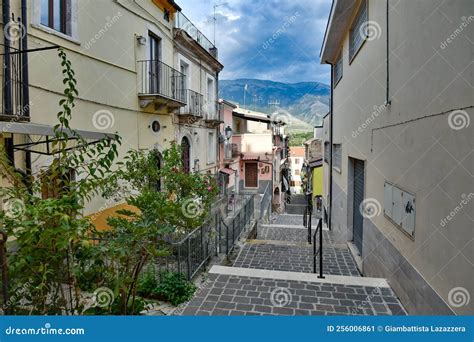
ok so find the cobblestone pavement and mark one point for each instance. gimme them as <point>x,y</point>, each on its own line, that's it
<point>273,276</point>
<point>225,295</point>
<point>290,220</point>
<point>289,234</point>
<point>337,261</point>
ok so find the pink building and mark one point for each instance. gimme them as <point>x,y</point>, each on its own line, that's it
<point>252,154</point>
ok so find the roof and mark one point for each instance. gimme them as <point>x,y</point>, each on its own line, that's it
<point>251,115</point>
<point>298,151</point>
<point>340,17</point>
<point>228,103</point>
<point>227,171</point>
<point>46,130</point>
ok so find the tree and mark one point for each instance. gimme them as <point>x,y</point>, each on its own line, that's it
<point>50,233</point>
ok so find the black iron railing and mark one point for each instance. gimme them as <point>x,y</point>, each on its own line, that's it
<point>159,79</point>
<point>229,232</point>
<point>218,235</point>
<point>183,23</point>
<point>14,101</point>
<point>194,104</point>
<point>318,249</point>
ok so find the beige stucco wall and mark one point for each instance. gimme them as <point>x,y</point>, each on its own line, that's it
<point>411,142</point>
<point>104,52</point>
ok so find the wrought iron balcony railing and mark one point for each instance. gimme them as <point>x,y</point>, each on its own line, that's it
<point>183,23</point>
<point>158,79</point>
<point>194,104</point>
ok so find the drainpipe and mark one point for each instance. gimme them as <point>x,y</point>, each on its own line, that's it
<point>331,106</point>
<point>7,86</point>
<point>25,75</point>
<point>387,94</point>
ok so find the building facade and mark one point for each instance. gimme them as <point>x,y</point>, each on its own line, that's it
<point>139,74</point>
<point>402,145</point>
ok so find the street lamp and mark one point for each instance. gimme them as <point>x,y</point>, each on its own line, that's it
<point>228,132</point>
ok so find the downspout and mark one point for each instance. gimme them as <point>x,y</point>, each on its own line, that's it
<point>25,74</point>
<point>387,87</point>
<point>331,107</point>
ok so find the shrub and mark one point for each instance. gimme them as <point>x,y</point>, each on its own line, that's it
<point>174,288</point>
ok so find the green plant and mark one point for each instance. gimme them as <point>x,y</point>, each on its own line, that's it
<point>139,237</point>
<point>174,288</point>
<point>50,233</point>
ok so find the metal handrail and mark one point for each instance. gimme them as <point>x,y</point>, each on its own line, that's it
<point>319,229</point>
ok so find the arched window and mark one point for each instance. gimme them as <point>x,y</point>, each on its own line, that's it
<point>186,154</point>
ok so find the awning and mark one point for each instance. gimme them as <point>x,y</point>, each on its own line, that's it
<point>42,136</point>
<point>227,171</point>
<point>315,163</point>
<point>250,158</point>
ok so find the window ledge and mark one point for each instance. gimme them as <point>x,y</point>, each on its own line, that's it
<point>56,33</point>
<point>337,169</point>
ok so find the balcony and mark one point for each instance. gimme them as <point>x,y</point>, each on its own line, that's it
<point>193,110</point>
<point>212,111</point>
<point>183,23</point>
<point>14,102</point>
<point>160,84</point>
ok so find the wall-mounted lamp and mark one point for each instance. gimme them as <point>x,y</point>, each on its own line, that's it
<point>228,132</point>
<point>141,40</point>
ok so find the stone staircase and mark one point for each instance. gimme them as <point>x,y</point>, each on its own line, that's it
<point>272,275</point>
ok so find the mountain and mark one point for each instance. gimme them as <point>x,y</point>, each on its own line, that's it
<point>307,102</point>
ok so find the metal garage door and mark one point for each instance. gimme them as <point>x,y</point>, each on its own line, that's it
<point>358,219</point>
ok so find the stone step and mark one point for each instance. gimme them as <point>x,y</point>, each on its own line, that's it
<point>295,209</point>
<point>299,276</point>
<point>238,291</point>
<point>280,257</point>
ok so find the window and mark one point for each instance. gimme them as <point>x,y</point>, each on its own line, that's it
<point>326,151</point>
<point>358,31</point>
<point>337,155</point>
<point>211,148</point>
<point>186,154</point>
<point>297,172</point>
<point>297,161</point>
<point>56,15</point>
<point>338,69</point>
<point>210,96</point>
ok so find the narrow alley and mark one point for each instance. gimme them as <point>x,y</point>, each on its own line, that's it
<point>272,275</point>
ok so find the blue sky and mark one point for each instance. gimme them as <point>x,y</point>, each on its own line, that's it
<point>245,32</point>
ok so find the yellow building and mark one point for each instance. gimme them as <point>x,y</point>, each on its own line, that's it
<point>126,57</point>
